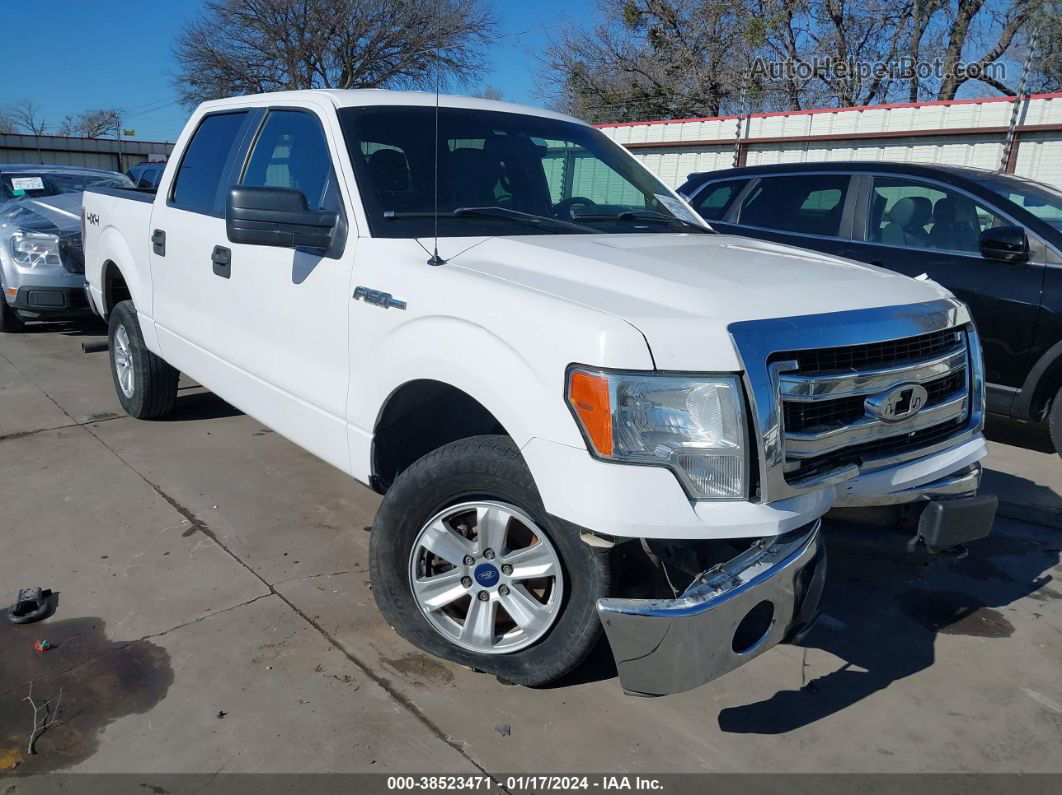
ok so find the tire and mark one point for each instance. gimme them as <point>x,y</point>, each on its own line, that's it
<point>486,471</point>
<point>146,385</point>
<point>1054,422</point>
<point>10,323</point>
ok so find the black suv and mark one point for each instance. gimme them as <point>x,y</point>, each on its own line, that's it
<point>993,239</point>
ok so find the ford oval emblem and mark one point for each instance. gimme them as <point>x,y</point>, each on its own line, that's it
<point>486,574</point>
<point>899,403</point>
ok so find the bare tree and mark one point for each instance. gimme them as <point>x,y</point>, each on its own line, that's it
<point>488,92</point>
<point>1047,72</point>
<point>94,123</point>
<point>651,58</point>
<point>964,16</point>
<point>27,115</point>
<point>7,121</point>
<point>250,46</point>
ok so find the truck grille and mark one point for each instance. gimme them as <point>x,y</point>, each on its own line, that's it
<point>827,422</point>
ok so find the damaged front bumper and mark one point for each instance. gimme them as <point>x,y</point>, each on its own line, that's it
<point>726,617</point>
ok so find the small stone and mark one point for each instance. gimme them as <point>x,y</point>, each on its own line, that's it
<point>504,729</point>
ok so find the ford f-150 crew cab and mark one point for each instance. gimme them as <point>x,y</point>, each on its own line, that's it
<point>585,409</point>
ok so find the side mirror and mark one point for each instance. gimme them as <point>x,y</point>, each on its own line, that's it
<point>1004,243</point>
<point>276,217</point>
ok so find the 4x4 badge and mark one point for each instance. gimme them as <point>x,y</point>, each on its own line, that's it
<point>899,403</point>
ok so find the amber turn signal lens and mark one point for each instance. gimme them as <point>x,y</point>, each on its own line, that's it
<point>588,395</point>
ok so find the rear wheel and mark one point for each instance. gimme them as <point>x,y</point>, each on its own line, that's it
<point>146,385</point>
<point>467,565</point>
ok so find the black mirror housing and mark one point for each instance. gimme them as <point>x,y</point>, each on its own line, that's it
<point>1004,243</point>
<point>265,216</point>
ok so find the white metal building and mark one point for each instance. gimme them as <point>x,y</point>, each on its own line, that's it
<point>967,132</point>
<point>70,151</point>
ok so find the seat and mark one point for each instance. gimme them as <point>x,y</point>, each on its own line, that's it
<point>388,170</point>
<point>907,220</point>
<point>877,215</point>
<point>955,225</point>
<point>472,175</point>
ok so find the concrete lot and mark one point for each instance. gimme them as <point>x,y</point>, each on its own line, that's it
<point>214,613</point>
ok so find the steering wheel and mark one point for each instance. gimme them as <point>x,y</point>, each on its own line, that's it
<point>563,209</point>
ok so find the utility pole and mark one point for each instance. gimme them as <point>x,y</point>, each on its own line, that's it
<point>1010,152</point>
<point>118,135</point>
<point>742,117</point>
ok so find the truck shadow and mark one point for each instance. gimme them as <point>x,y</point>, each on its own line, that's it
<point>882,616</point>
<point>1027,435</point>
<point>195,403</point>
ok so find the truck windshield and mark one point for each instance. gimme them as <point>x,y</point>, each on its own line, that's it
<point>500,174</point>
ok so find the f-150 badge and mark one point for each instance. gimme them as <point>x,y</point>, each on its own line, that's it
<point>378,298</point>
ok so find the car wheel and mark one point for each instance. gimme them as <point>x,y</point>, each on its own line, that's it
<point>146,385</point>
<point>10,323</point>
<point>1054,422</point>
<point>467,565</point>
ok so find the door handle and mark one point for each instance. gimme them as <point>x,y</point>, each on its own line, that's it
<point>158,242</point>
<point>222,259</point>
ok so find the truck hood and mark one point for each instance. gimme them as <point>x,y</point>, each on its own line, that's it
<point>682,291</point>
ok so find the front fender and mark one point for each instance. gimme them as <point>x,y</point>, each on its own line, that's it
<point>467,356</point>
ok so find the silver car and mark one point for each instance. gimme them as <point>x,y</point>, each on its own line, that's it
<point>42,267</point>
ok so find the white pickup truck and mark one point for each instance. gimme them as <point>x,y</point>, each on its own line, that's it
<point>586,410</point>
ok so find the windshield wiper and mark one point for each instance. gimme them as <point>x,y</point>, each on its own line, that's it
<point>495,212</point>
<point>645,216</point>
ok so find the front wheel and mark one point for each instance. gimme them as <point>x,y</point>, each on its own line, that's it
<point>10,323</point>
<point>467,565</point>
<point>1054,422</point>
<point>146,385</point>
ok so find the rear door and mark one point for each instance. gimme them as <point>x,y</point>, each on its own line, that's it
<point>915,226</point>
<point>808,210</point>
<point>713,200</point>
<point>188,220</point>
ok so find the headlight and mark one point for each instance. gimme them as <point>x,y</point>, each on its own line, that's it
<point>693,424</point>
<point>35,250</point>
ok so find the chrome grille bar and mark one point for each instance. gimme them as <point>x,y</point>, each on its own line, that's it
<point>802,365</point>
<point>868,429</point>
<point>795,386</point>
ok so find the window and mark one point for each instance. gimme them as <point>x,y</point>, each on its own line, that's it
<point>496,173</point>
<point>291,152</point>
<point>906,212</point>
<point>714,200</point>
<point>808,204</point>
<point>196,185</point>
<point>1041,200</point>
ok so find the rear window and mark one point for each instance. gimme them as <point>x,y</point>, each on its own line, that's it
<point>713,202</point>
<point>196,184</point>
<point>808,204</point>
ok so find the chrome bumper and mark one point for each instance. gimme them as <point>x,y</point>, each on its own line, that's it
<point>957,484</point>
<point>729,615</point>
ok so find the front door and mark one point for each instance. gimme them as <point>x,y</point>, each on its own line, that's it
<point>286,309</point>
<point>917,227</point>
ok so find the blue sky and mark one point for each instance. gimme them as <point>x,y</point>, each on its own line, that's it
<point>71,55</point>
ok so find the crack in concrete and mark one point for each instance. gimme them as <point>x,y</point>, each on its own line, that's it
<point>198,524</point>
<point>23,434</point>
<point>316,576</point>
<point>204,617</point>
